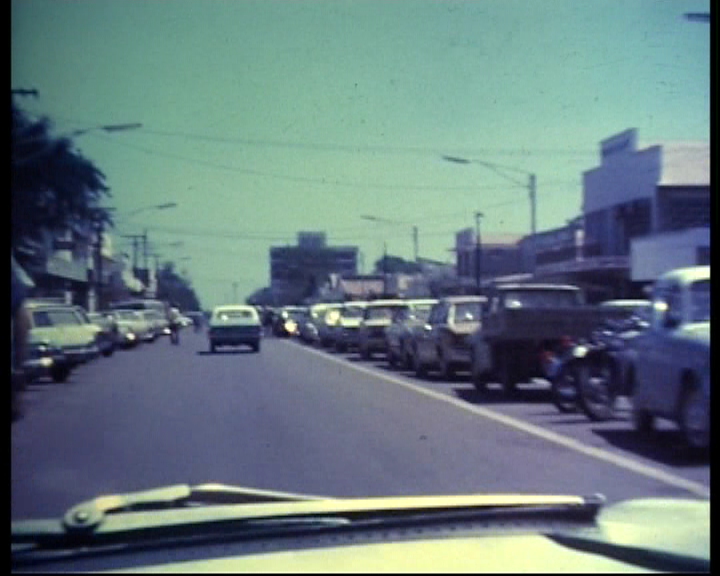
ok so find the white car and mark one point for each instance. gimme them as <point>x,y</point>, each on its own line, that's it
<point>672,363</point>
<point>235,325</point>
<point>378,316</point>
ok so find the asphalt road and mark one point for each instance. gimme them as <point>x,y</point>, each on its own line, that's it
<point>304,420</point>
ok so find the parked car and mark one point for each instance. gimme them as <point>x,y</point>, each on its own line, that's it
<point>60,326</point>
<point>444,343</point>
<point>399,334</point>
<point>108,337</point>
<point>136,324</point>
<point>235,325</point>
<point>45,360</point>
<point>377,317</point>
<point>345,333</point>
<point>672,366</point>
<point>329,315</point>
<point>286,321</point>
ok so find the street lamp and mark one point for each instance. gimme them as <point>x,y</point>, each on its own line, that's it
<point>531,186</point>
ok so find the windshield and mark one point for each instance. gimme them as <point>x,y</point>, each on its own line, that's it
<point>248,162</point>
<point>468,312</point>
<point>700,296</point>
<point>380,312</point>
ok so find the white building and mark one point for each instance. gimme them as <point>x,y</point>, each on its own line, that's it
<point>646,209</point>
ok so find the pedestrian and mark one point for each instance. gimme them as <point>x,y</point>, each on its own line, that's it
<point>20,286</point>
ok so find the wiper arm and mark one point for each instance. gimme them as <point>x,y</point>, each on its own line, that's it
<point>87,515</point>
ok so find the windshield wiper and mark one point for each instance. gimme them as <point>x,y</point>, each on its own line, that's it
<point>208,512</point>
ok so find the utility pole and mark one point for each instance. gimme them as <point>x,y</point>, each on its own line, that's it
<point>384,267</point>
<point>145,253</point>
<point>415,243</point>
<point>235,287</point>
<point>533,221</point>
<point>478,251</point>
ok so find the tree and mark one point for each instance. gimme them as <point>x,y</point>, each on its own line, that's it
<point>396,265</point>
<point>53,186</point>
<point>174,288</point>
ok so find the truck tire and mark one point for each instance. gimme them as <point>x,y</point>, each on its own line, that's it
<point>447,372</point>
<point>694,417</point>
<point>505,370</point>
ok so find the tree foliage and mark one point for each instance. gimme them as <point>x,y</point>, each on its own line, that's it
<point>53,185</point>
<point>172,287</point>
<point>396,265</point>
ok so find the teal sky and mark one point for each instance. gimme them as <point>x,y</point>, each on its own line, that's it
<point>264,118</point>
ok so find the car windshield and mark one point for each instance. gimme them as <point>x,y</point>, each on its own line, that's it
<point>468,312</point>
<point>380,312</point>
<point>700,296</point>
<point>290,174</point>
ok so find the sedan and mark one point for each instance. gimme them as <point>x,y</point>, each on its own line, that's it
<point>235,325</point>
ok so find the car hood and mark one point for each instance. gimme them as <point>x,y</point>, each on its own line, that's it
<point>414,534</point>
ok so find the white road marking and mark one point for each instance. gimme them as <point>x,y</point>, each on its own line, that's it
<point>695,488</point>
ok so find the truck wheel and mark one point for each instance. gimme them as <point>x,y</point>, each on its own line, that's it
<point>506,373</point>
<point>479,379</point>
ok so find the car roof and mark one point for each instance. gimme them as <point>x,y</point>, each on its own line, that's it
<point>463,299</point>
<point>536,286</point>
<point>243,307</point>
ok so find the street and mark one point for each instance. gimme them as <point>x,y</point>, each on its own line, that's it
<point>304,420</point>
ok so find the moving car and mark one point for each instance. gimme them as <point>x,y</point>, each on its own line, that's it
<point>108,337</point>
<point>137,323</point>
<point>235,325</point>
<point>672,361</point>
<point>218,528</point>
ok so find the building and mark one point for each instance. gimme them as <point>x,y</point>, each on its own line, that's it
<point>500,255</point>
<point>640,205</point>
<point>297,272</point>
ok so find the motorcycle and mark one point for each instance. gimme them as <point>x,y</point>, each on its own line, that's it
<point>175,334</point>
<point>560,371</point>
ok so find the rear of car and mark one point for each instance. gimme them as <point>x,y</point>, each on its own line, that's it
<point>235,326</point>
<point>378,316</point>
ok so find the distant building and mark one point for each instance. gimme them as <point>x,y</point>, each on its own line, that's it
<point>500,255</point>
<point>297,272</point>
<point>640,206</point>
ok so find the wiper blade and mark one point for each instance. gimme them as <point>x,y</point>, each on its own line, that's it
<point>87,515</point>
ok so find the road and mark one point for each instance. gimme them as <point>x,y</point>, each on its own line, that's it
<point>304,420</point>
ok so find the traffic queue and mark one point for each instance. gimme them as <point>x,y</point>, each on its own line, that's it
<point>655,353</point>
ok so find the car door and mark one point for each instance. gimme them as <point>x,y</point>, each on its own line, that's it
<point>423,335</point>
<point>656,366</point>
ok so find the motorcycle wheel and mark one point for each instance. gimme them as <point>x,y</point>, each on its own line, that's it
<point>565,390</point>
<point>597,389</point>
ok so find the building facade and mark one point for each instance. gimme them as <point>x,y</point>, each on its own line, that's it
<point>297,272</point>
<point>640,204</point>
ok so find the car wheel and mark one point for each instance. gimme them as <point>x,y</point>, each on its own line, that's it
<point>446,369</point>
<point>60,374</point>
<point>420,369</point>
<point>642,420</point>
<point>694,418</point>
<point>212,348</point>
<point>365,353</point>
<point>392,360</point>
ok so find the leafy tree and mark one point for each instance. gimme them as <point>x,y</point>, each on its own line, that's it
<point>53,186</point>
<point>174,288</point>
<point>396,265</point>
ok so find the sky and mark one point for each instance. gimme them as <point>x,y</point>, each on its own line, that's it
<point>264,118</point>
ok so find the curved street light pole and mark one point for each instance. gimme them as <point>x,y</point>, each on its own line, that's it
<point>531,186</point>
